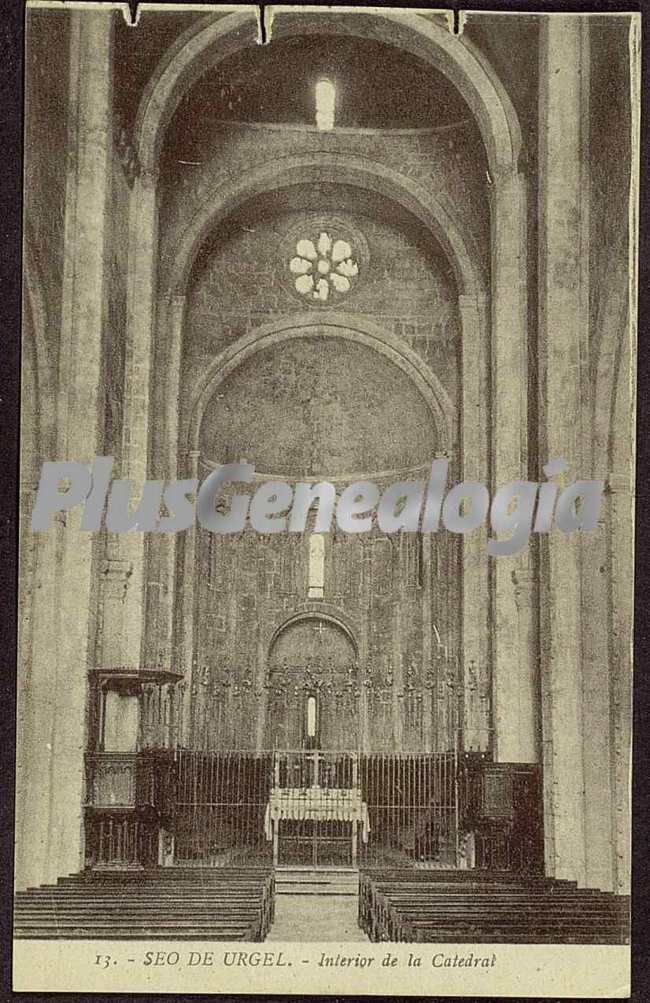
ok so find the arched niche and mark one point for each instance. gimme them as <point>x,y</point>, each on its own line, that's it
<point>316,423</point>
<point>350,329</point>
<point>309,616</point>
<point>312,660</point>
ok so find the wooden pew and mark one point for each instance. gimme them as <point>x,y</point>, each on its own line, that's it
<point>419,906</point>
<point>188,903</point>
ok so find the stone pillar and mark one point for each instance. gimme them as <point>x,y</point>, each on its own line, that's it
<point>135,427</point>
<point>622,599</point>
<point>174,329</point>
<point>52,715</point>
<point>185,595</point>
<point>112,595</point>
<point>563,342</point>
<point>140,319</point>
<point>261,692</point>
<point>526,684</point>
<point>475,670</point>
<point>160,558</point>
<point>397,689</point>
<point>512,667</point>
<point>427,643</point>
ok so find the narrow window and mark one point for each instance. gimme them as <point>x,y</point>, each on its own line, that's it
<point>325,104</point>
<point>311,717</point>
<point>316,575</point>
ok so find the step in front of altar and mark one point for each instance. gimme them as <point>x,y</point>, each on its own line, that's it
<point>339,881</point>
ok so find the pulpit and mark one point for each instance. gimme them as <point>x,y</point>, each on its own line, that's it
<point>127,787</point>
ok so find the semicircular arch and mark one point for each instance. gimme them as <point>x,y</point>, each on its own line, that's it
<point>212,39</point>
<point>334,325</point>
<point>351,170</point>
<point>304,616</point>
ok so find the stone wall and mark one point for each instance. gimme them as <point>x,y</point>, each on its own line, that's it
<point>384,587</point>
<point>402,285</point>
<point>46,159</point>
<point>319,406</point>
<point>245,280</point>
<point>448,164</point>
<point>326,408</point>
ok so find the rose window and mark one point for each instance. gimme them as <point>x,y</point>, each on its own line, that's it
<point>323,268</point>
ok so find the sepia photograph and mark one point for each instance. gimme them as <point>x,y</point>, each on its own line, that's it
<point>326,498</point>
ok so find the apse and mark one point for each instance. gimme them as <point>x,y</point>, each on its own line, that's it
<point>318,406</point>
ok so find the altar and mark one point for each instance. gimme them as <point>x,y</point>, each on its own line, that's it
<point>315,821</point>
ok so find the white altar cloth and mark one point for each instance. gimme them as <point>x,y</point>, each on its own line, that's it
<point>335,804</point>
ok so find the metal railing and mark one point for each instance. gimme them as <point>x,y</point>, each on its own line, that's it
<point>221,800</point>
<point>410,812</point>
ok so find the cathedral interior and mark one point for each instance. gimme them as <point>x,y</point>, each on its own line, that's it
<point>266,253</point>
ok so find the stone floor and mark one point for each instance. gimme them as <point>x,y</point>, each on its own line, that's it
<point>305,918</point>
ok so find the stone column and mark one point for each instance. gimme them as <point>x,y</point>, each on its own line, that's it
<point>174,333</point>
<point>526,684</point>
<point>511,666</point>
<point>475,584</point>
<point>52,718</point>
<point>427,643</point>
<point>398,672</point>
<point>185,590</point>
<point>140,320</point>
<point>621,532</point>
<point>162,548</point>
<point>563,341</point>
<point>261,692</point>
<point>129,622</point>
